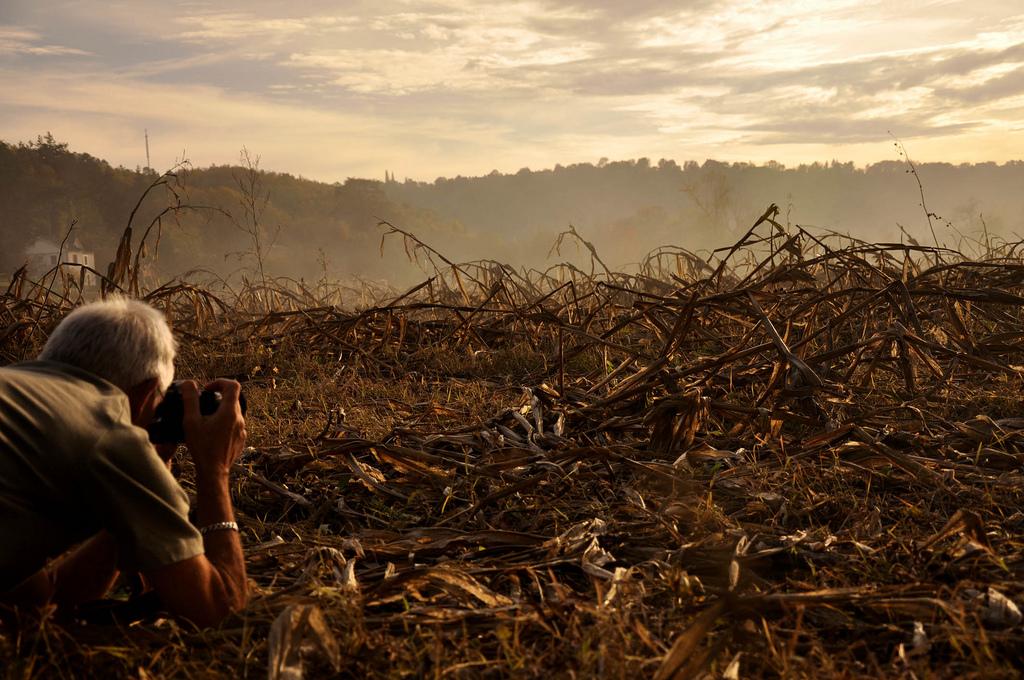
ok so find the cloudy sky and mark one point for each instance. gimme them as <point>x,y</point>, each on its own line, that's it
<point>336,89</point>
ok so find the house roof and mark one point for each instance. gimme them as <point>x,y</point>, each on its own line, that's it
<point>45,246</point>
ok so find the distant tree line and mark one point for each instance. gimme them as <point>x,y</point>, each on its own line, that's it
<point>311,229</point>
<point>630,207</point>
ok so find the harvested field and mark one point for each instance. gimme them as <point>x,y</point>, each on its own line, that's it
<point>800,457</point>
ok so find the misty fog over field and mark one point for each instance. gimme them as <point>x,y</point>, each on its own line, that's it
<point>314,230</point>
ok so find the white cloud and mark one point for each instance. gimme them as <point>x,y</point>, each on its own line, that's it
<point>240,26</point>
<point>15,40</point>
<point>449,51</point>
<point>397,72</point>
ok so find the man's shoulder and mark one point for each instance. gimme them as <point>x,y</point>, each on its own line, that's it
<point>64,402</point>
<point>125,438</point>
<point>65,377</point>
<point>43,370</point>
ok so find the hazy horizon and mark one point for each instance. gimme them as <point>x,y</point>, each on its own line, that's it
<point>626,209</point>
<point>379,176</point>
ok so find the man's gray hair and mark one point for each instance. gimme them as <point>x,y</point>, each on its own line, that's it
<point>121,340</point>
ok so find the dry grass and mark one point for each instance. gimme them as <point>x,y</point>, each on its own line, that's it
<point>800,457</point>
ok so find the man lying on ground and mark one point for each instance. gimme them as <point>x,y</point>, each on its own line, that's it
<point>77,468</point>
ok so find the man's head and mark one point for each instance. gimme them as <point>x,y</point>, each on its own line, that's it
<point>123,341</point>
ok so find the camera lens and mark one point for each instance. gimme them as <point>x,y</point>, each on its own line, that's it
<point>167,426</point>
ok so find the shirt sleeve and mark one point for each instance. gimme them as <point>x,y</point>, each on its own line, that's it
<point>137,500</point>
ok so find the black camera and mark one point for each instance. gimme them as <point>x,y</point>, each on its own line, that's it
<point>167,426</point>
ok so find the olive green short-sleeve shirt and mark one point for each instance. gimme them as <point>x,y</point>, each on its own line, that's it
<point>72,464</point>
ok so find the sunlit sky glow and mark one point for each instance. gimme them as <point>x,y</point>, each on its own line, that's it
<point>329,90</point>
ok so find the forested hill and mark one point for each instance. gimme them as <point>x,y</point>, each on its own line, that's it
<point>633,206</point>
<point>625,208</point>
<point>305,226</point>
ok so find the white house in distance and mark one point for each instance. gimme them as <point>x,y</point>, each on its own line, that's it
<point>42,256</point>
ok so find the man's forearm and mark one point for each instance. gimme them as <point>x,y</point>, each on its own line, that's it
<point>223,547</point>
<point>206,588</point>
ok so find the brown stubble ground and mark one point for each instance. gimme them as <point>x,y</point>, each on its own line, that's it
<point>839,498</point>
